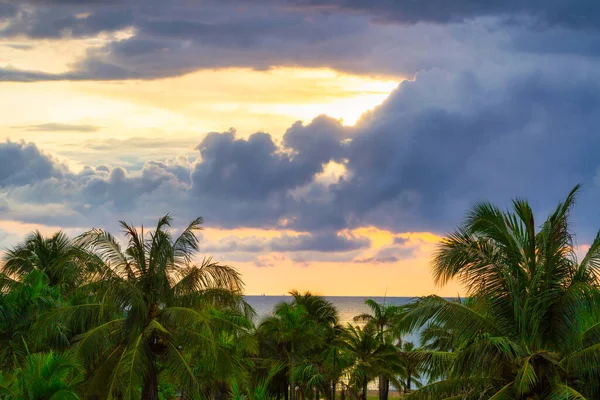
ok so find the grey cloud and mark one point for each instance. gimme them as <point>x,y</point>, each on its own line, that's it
<point>400,241</point>
<point>20,46</point>
<point>319,242</point>
<point>23,163</point>
<point>55,21</point>
<point>16,75</point>
<point>578,14</point>
<point>255,168</point>
<point>7,10</point>
<point>58,127</point>
<point>172,39</point>
<point>415,163</point>
<point>388,255</point>
<point>323,242</point>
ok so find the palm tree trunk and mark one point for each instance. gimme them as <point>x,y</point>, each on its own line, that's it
<point>292,379</point>
<point>150,385</point>
<point>364,393</point>
<point>387,388</point>
<point>382,394</point>
<point>333,391</point>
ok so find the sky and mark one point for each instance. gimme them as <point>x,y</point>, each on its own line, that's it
<point>328,144</point>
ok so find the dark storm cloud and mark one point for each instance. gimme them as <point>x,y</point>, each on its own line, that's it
<point>579,14</point>
<point>7,10</point>
<point>55,21</point>
<point>178,37</point>
<point>58,127</point>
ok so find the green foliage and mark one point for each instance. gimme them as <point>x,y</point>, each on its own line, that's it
<point>529,328</point>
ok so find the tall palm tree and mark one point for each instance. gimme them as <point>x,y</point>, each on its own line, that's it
<point>371,358</point>
<point>291,332</point>
<point>383,318</point>
<point>322,367</point>
<point>149,310</point>
<point>531,328</point>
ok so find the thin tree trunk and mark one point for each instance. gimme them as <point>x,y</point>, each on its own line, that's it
<point>286,393</point>
<point>292,379</point>
<point>150,385</point>
<point>317,393</point>
<point>333,392</point>
<point>364,393</point>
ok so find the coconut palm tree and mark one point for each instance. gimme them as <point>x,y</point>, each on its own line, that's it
<point>63,262</point>
<point>370,357</point>
<point>322,367</point>
<point>322,311</point>
<point>150,308</point>
<point>290,333</point>
<point>383,318</point>
<point>531,328</point>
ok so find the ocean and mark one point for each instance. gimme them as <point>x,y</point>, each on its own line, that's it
<point>348,307</point>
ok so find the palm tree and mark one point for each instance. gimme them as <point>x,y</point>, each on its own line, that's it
<point>322,367</point>
<point>412,367</point>
<point>370,357</point>
<point>20,307</point>
<point>64,263</point>
<point>531,328</point>
<point>44,376</point>
<point>290,332</point>
<point>318,308</point>
<point>149,310</point>
<point>230,365</point>
<point>382,318</point>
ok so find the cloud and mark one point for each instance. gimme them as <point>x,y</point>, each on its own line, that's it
<point>20,46</point>
<point>323,242</point>
<point>24,164</point>
<point>7,10</point>
<point>58,127</point>
<point>56,20</point>
<point>396,38</point>
<point>435,146</point>
<point>326,242</point>
<point>578,14</point>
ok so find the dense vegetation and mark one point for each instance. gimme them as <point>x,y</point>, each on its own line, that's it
<point>93,317</point>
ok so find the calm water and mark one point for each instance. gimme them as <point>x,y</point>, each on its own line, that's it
<point>347,306</point>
